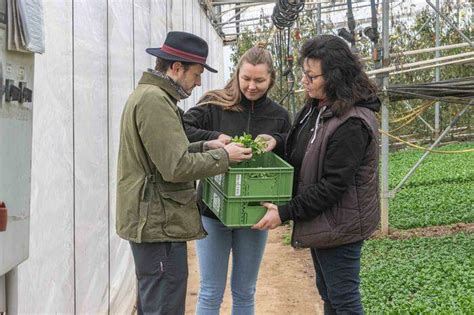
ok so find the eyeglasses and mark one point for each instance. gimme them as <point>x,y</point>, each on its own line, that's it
<point>310,78</point>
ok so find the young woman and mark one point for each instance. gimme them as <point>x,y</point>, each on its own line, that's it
<point>241,106</point>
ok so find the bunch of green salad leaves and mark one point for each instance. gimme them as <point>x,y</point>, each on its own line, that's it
<point>257,145</point>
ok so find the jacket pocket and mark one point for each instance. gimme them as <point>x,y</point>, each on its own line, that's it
<point>181,213</point>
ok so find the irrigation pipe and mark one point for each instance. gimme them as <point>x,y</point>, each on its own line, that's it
<point>423,50</point>
<point>419,63</point>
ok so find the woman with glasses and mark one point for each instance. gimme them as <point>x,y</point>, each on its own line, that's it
<point>333,146</point>
<point>241,106</point>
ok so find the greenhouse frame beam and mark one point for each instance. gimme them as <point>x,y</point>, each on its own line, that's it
<point>233,18</point>
<point>451,23</point>
<point>225,2</point>
<point>384,171</point>
<point>244,20</point>
<point>408,105</point>
<point>437,69</point>
<point>437,141</point>
<point>420,63</point>
<point>243,6</point>
<point>437,65</point>
<point>424,50</point>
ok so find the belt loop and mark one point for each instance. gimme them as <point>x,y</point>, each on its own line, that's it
<point>149,179</point>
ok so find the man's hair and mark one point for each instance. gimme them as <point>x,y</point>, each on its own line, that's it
<point>163,65</point>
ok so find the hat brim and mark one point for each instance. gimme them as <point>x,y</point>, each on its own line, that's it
<point>157,52</point>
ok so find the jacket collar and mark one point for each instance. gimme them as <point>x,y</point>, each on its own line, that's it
<point>320,105</point>
<point>246,103</point>
<point>163,81</point>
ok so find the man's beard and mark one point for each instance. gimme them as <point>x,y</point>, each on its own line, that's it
<point>186,92</point>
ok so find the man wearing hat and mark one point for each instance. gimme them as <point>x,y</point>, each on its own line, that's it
<point>157,166</point>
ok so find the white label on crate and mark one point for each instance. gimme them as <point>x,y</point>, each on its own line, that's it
<point>216,203</point>
<point>219,179</point>
<point>238,183</point>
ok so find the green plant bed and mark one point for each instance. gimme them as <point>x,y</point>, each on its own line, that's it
<point>432,205</point>
<point>419,275</point>
<point>439,192</point>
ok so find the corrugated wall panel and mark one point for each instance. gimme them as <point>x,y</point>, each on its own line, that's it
<point>77,263</point>
<point>120,85</point>
<point>142,37</point>
<point>90,156</point>
<point>49,271</point>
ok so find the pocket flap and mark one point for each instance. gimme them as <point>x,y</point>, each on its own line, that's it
<point>181,196</point>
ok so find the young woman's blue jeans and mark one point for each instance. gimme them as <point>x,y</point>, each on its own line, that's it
<point>213,251</point>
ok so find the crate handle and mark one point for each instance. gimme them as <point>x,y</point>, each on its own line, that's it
<point>243,217</point>
<point>262,176</point>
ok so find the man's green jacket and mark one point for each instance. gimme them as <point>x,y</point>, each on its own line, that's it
<point>157,166</point>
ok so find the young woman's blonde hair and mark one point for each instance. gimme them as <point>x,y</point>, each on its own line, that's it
<point>230,96</point>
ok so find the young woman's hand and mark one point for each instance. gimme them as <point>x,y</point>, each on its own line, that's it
<point>270,220</point>
<point>225,139</point>
<point>269,140</point>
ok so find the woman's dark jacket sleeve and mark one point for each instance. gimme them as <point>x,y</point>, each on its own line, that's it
<point>198,124</point>
<point>345,151</point>
<point>281,137</point>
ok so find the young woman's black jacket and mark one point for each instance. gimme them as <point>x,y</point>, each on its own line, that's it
<point>207,122</point>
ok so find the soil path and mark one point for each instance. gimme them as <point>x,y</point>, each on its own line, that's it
<point>286,283</point>
<point>430,231</point>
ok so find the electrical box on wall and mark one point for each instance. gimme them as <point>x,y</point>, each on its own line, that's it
<point>16,122</point>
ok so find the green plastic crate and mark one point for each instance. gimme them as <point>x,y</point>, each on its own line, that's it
<point>265,176</point>
<point>235,211</point>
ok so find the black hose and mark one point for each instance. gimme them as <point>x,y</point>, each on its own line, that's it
<point>285,13</point>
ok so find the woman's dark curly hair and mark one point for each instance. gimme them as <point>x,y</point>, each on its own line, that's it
<point>346,83</point>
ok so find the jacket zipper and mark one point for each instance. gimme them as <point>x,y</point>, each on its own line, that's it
<point>316,125</point>
<point>248,120</point>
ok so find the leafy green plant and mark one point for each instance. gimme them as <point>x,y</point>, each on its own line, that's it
<point>419,275</point>
<point>440,192</point>
<point>257,145</point>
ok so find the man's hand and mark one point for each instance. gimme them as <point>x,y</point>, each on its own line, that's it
<point>269,140</point>
<point>270,220</point>
<point>237,152</point>
<point>225,139</point>
<point>213,144</point>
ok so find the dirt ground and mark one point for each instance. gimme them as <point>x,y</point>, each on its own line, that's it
<point>431,231</point>
<point>286,282</point>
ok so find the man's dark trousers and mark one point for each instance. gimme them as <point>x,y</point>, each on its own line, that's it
<point>337,278</point>
<point>162,272</point>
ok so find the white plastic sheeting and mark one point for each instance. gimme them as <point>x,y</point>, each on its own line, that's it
<point>31,13</point>
<point>94,58</point>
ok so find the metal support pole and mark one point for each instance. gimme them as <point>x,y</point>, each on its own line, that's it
<point>3,295</point>
<point>438,140</point>
<point>319,30</point>
<point>384,198</point>
<point>437,70</point>
<point>419,117</point>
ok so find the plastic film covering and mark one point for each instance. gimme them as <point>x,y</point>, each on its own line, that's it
<point>46,280</point>
<point>94,58</point>
<point>31,12</point>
